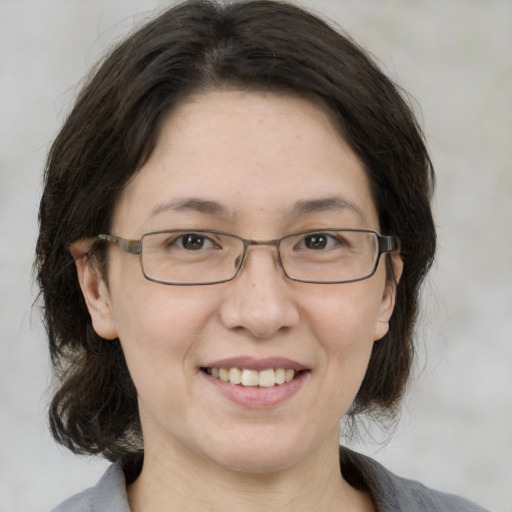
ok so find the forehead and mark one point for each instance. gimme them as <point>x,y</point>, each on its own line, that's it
<point>247,155</point>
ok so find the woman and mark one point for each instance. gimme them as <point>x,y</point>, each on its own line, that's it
<point>234,229</point>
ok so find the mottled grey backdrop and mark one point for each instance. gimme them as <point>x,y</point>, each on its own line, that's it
<point>454,56</point>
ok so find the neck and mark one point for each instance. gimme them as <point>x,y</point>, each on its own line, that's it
<point>195,484</point>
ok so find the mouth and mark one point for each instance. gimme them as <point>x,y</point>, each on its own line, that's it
<point>256,383</point>
<point>246,377</point>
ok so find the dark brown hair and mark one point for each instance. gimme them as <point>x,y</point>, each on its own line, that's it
<point>112,130</point>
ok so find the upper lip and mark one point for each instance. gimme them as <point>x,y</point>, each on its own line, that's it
<point>252,363</point>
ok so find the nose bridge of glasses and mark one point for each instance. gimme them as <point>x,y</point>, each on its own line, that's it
<point>259,243</point>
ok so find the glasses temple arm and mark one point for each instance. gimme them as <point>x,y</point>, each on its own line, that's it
<point>388,244</point>
<point>130,246</point>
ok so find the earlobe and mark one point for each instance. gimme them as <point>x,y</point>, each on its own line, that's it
<point>94,290</point>
<point>387,304</point>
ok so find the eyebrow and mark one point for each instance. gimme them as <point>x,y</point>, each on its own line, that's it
<point>301,208</point>
<point>191,203</point>
<point>324,204</point>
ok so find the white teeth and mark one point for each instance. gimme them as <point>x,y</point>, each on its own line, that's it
<point>249,378</point>
<point>279,376</point>
<point>266,378</point>
<point>235,376</point>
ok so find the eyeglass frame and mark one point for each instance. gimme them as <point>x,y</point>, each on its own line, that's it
<point>385,244</point>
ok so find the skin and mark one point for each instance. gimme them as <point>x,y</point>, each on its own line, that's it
<point>256,156</point>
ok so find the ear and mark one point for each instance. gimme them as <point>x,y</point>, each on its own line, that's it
<point>94,289</point>
<point>395,266</point>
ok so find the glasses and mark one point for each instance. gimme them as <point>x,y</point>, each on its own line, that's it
<point>190,257</point>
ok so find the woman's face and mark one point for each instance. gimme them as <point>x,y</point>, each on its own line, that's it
<point>260,166</point>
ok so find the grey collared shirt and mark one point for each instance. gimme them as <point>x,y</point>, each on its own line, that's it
<point>389,492</point>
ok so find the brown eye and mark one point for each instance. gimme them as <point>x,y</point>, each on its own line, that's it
<point>192,241</point>
<point>316,241</point>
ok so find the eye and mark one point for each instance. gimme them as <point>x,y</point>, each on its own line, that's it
<point>318,241</point>
<point>193,242</point>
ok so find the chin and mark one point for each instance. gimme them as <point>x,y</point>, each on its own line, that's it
<point>257,454</point>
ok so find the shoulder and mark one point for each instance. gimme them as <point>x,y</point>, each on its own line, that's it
<point>415,494</point>
<point>392,493</point>
<point>79,503</point>
<point>108,494</point>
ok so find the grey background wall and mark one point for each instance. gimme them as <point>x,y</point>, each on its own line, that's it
<point>455,57</point>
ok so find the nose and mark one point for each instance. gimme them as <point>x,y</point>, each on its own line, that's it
<point>259,301</point>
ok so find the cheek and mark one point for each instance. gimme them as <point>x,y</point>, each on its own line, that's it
<point>343,330</point>
<point>159,328</point>
<point>345,324</point>
<point>150,315</point>
<point>346,315</point>
<point>159,335</point>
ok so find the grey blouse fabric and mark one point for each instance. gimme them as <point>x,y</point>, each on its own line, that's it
<point>389,492</point>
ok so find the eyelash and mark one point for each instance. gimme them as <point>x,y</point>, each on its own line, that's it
<point>180,240</point>
<point>330,240</point>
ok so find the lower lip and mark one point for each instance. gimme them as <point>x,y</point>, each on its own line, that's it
<point>256,397</point>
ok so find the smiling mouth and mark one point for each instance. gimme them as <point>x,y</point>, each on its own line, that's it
<point>253,378</point>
